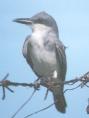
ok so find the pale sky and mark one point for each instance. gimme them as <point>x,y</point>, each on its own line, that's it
<point>72,17</point>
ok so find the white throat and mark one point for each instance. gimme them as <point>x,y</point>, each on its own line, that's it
<point>40,28</point>
<point>39,32</point>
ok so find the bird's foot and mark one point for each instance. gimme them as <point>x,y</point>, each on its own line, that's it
<point>37,84</point>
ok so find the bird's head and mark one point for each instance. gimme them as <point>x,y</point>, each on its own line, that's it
<point>42,19</point>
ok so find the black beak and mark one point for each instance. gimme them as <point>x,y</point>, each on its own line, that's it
<point>23,21</point>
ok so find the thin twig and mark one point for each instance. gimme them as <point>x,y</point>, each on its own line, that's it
<point>46,94</point>
<point>87,85</point>
<point>21,107</point>
<point>4,95</point>
<point>39,110</point>
<point>6,76</point>
<point>72,88</point>
<point>10,89</point>
<point>87,109</point>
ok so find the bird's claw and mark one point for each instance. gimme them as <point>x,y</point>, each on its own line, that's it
<point>37,84</point>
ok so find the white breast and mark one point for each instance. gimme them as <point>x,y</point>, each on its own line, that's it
<point>44,61</point>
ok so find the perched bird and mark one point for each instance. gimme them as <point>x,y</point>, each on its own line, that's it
<point>45,53</point>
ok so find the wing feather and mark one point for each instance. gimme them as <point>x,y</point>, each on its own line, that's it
<point>61,57</point>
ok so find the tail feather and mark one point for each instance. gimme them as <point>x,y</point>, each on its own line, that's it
<point>59,100</point>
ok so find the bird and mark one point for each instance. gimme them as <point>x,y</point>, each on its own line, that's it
<point>45,53</point>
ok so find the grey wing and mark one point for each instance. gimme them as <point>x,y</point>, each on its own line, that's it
<point>26,51</point>
<point>61,58</point>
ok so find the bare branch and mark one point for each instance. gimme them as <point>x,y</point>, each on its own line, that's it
<point>46,82</point>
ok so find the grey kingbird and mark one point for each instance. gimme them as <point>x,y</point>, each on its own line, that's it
<point>45,53</point>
